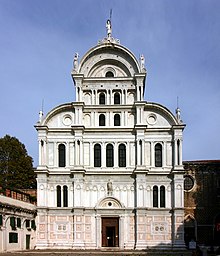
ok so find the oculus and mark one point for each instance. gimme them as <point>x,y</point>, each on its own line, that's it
<point>188,183</point>
<point>152,119</point>
<point>67,120</point>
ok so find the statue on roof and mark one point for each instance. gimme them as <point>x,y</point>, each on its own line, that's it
<point>109,38</point>
<point>178,115</point>
<point>142,61</point>
<point>75,61</point>
<point>178,112</point>
<point>109,29</point>
<point>41,116</point>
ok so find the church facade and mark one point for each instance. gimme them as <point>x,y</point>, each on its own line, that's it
<point>110,168</point>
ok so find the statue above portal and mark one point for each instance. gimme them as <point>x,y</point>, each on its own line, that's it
<point>109,188</point>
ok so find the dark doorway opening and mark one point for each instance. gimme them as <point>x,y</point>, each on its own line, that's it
<point>110,232</point>
<point>217,231</point>
<point>189,230</point>
<point>28,239</point>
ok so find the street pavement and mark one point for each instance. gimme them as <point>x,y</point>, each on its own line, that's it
<point>95,253</point>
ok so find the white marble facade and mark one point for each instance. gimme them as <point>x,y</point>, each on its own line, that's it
<point>110,168</point>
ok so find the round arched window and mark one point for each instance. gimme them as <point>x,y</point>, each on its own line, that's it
<point>188,182</point>
<point>109,74</point>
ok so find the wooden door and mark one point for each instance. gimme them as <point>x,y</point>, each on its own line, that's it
<point>110,232</point>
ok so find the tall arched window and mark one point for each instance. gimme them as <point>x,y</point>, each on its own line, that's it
<point>102,98</point>
<point>62,155</point>
<point>58,196</point>
<point>109,155</point>
<point>65,196</point>
<point>116,98</point>
<point>122,155</point>
<point>158,155</point>
<point>155,196</point>
<point>162,196</point>
<point>97,155</point>
<point>117,120</point>
<point>178,152</point>
<point>101,120</point>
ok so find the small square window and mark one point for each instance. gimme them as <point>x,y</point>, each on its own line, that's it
<point>13,237</point>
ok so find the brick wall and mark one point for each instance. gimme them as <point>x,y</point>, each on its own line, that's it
<point>202,202</point>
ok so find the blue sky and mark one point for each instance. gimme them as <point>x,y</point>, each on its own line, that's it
<point>179,39</point>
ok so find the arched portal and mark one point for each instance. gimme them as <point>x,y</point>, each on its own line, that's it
<point>110,222</point>
<point>189,229</point>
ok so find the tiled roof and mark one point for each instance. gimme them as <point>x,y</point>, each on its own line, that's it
<point>202,162</point>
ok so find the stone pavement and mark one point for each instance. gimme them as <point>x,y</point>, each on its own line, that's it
<point>97,252</point>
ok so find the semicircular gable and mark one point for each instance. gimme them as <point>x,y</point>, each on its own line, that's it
<point>116,55</point>
<point>156,115</point>
<point>61,116</point>
<point>109,202</point>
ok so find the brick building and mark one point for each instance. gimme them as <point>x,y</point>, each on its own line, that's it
<point>202,201</point>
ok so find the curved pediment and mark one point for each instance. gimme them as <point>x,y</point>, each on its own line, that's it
<point>109,202</point>
<point>98,59</point>
<point>158,116</point>
<point>61,116</point>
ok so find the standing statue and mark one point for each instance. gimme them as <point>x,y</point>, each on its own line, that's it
<point>109,188</point>
<point>41,116</point>
<point>75,61</point>
<point>142,60</point>
<point>178,115</point>
<point>109,29</point>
